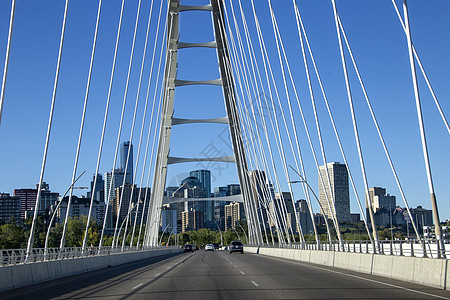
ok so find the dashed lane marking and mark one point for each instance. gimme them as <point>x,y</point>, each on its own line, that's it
<point>254,283</point>
<point>157,274</point>
<point>137,286</point>
<point>242,273</point>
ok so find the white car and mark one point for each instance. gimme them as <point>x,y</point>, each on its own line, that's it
<point>209,247</point>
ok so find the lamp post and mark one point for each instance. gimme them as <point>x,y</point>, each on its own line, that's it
<point>56,209</point>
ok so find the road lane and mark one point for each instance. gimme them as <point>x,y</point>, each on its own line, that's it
<point>220,275</point>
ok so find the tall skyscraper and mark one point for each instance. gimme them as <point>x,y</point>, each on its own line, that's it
<point>339,189</point>
<point>99,186</point>
<point>205,179</point>
<point>124,148</point>
<point>302,208</point>
<point>204,176</point>
<point>110,188</point>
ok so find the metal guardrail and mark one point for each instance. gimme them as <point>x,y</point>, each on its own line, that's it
<point>17,256</point>
<point>387,247</point>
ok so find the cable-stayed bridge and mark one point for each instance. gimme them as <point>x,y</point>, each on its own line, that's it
<point>293,84</point>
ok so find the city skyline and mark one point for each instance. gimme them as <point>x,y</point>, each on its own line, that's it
<point>379,50</point>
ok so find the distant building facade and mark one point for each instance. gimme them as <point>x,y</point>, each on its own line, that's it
<point>27,200</point>
<point>125,148</point>
<point>234,212</point>
<point>9,208</point>
<point>302,209</point>
<point>339,189</point>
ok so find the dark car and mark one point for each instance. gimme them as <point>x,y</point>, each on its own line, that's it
<point>236,246</point>
<point>195,247</point>
<point>188,248</point>
<point>216,246</point>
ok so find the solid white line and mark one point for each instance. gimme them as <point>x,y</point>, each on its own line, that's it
<point>157,274</point>
<point>254,283</point>
<point>242,273</point>
<point>137,286</point>
<point>376,281</point>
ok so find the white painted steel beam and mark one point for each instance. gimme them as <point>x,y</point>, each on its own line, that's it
<point>182,45</point>
<point>179,121</point>
<point>178,160</point>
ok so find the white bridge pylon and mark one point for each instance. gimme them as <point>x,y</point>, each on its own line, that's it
<point>163,160</point>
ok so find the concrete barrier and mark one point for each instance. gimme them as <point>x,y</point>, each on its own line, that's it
<point>322,258</point>
<point>429,271</point>
<point>25,274</point>
<point>425,271</point>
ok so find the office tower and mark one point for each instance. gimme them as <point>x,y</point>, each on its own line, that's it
<point>338,176</point>
<point>234,212</point>
<point>124,205</point>
<point>380,199</point>
<point>169,219</point>
<point>282,207</point>
<point>99,186</point>
<point>221,191</point>
<point>110,189</point>
<point>192,188</point>
<point>124,148</point>
<point>47,198</point>
<point>192,220</point>
<point>9,208</point>
<point>204,176</point>
<point>302,208</point>
<point>235,189</point>
<point>27,201</point>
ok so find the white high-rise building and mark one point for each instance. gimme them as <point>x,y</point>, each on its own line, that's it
<point>338,177</point>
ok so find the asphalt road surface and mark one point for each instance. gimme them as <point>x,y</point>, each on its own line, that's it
<point>220,275</point>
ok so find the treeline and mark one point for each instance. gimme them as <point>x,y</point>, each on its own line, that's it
<point>16,237</point>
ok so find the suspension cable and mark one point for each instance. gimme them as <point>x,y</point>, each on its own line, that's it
<point>8,50</point>
<point>47,139</point>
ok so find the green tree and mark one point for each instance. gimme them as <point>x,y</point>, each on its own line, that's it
<point>184,238</point>
<point>12,237</point>
<point>39,231</point>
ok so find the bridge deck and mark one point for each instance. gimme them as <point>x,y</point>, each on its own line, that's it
<point>220,275</point>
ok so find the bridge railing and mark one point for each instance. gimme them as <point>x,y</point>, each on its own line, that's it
<point>18,256</point>
<point>387,247</point>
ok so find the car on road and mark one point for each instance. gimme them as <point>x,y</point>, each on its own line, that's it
<point>216,246</point>
<point>236,246</point>
<point>195,247</point>
<point>209,247</point>
<point>188,248</point>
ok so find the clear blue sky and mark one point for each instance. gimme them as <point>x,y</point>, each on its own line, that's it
<point>375,34</point>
